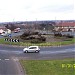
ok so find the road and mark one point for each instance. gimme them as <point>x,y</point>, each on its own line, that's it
<point>15,34</point>
<point>8,64</point>
<point>8,67</point>
<point>9,56</point>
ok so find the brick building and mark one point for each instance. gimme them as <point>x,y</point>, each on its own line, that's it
<point>65,26</point>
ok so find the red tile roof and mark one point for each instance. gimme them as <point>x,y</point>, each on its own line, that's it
<point>2,27</point>
<point>65,24</point>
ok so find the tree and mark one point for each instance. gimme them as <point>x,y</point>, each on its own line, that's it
<point>11,26</point>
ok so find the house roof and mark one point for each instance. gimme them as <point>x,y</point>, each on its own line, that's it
<point>1,27</point>
<point>65,24</point>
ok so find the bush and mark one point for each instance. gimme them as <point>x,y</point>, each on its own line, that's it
<point>35,38</point>
<point>24,35</point>
<point>34,33</point>
<point>58,34</point>
<point>69,36</point>
<point>42,38</point>
<point>30,37</point>
<point>36,41</point>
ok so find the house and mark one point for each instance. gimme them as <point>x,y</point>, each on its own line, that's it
<point>6,32</point>
<point>65,26</point>
<point>16,30</point>
<point>2,29</point>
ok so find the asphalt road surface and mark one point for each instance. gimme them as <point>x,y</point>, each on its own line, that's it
<point>15,34</point>
<point>9,56</point>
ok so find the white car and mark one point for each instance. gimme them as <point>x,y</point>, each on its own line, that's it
<point>31,49</point>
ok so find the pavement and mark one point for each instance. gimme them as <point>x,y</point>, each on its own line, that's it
<point>10,55</point>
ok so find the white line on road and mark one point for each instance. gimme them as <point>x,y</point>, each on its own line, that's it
<point>6,59</point>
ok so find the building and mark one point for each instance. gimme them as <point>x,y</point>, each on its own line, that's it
<point>65,26</point>
<point>2,29</point>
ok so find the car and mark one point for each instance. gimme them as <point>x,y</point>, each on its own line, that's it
<point>31,49</point>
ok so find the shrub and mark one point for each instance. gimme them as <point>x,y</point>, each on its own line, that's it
<point>36,41</point>
<point>69,36</point>
<point>31,37</point>
<point>24,35</point>
<point>34,33</point>
<point>41,38</point>
<point>58,34</point>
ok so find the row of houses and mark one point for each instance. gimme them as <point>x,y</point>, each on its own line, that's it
<point>59,26</point>
<point>2,29</point>
<point>65,26</point>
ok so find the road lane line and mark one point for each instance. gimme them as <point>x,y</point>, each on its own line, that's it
<point>6,59</point>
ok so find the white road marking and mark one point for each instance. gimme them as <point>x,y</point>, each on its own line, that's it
<point>16,59</point>
<point>6,59</point>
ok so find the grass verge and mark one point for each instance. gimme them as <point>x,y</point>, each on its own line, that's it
<point>38,44</point>
<point>49,67</point>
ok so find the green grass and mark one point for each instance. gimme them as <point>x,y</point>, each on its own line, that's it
<point>38,44</point>
<point>48,67</point>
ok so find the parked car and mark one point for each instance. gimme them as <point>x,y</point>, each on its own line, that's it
<point>31,49</point>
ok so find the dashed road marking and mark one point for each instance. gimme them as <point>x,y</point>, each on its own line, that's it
<point>6,59</point>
